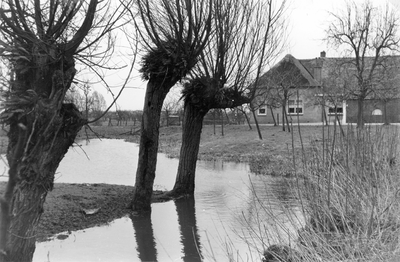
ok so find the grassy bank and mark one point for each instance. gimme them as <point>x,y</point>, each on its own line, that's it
<point>237,143</point>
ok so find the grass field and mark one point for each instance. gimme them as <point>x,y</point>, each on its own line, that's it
<point>272,155</point>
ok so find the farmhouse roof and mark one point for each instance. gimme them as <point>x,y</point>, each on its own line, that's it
<point>316,69</point>
<point>304,71</point>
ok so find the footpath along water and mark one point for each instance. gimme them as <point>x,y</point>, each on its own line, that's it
<point>222,218</point>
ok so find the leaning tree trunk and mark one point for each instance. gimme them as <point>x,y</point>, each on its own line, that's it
<point>191,134</point>
<point>199,97</point>
<point>257,125</point>
<point>247,119</point>
<point>32,172</point>
<point>283,118</point>
<point>157,89</point>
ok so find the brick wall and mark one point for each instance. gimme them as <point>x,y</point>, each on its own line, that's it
<point>375,111</point>
<point>311,113</point>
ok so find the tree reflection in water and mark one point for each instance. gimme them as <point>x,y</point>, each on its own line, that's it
<point>146,244</point>
<point>190,239</point>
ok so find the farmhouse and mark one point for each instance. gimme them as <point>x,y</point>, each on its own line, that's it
<point>321,89</point>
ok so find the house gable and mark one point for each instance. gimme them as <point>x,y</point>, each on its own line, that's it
<point>289,72</point>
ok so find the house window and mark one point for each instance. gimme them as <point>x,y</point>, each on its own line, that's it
<point>262,111</point>
<point>377,112</point>
<point>295,107</point>
<point>335,110</point>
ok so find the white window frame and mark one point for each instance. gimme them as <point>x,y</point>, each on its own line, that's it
<point>265,111</point>
<point>296,105</point>
<point>332,110</point>
<point>377,112</point>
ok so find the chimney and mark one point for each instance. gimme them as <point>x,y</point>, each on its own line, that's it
<point>323,54</point>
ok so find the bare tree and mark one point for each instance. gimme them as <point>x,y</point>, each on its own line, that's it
<point>367,34</point>
<point>99,103</point>
<point>91,103</point>
<point>272,45</point>
<point>333,91</point>
<point>75,97</point>
<point>88,100</point>
<point>246,32</point>
<point>173,34</point>
<point>40,43</point>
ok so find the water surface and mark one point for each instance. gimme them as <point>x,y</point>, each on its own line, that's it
<point>223,218</point>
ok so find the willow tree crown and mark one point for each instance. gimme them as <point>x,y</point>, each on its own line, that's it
<point>173,33</point>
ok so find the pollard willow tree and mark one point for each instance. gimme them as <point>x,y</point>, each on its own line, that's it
<point>368,34</point>
<point>39,43</point>
<point>173,35</point>
<point>247,35</point>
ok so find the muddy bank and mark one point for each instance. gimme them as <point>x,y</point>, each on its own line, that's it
<point>68,207</point>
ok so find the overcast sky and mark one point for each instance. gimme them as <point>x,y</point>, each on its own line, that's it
<point>308,22</point>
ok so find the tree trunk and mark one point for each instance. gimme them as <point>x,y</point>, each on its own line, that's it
<point>257,125</point>
<point>324,117</point>
<point>191,135</point>
<point>148,147</point>
<point>340,125</point>
<point>197,104</point>
<point>246,117</point>
<point>272,114</point>
<point>360,112</point>
<point>37,167</point>
<point>287,120</point>
<point>227,117</point>
<point>27,204</point>
<point>214,124</point>
<point>247,120</point>
<point>222,122</point>
<point>385,118</point>
<point>283,118</point>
